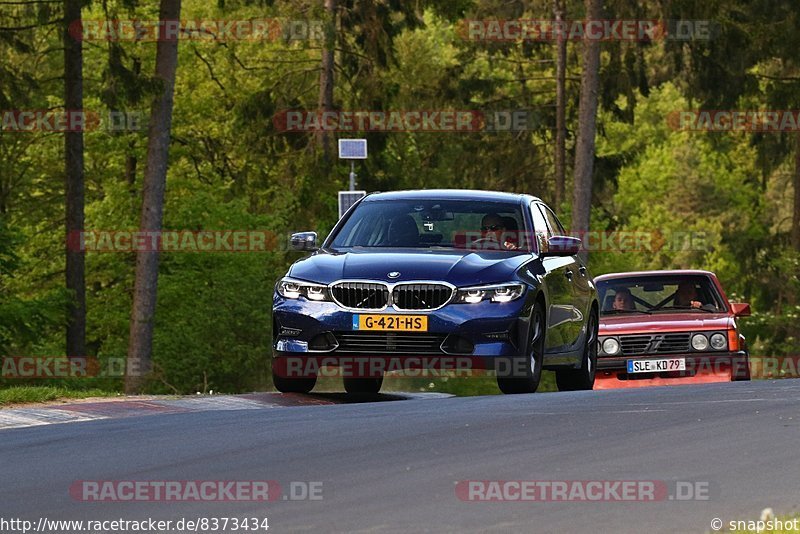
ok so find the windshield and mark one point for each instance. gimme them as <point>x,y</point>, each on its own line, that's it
<point>458,224</point>
<point>656,294</point>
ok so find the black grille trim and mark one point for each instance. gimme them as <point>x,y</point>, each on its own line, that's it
<point>361,295</point>
<point>655,344</point>
<point>379,343</point>
<point>421,296</point>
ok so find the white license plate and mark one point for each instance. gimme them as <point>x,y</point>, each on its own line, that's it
<point>656,366</point>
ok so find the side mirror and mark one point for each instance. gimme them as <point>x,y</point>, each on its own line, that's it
<point>740,309</point>
<point>304,241</point>
<point>563,245</point>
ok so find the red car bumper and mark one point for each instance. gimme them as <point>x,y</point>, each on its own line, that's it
<point>700,368</point>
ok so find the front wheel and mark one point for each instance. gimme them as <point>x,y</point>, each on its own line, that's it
<point>293,385</point>
<point>363,386</point>
<point>524,374</point>
<point>740,369</point>
<point>583,378</point>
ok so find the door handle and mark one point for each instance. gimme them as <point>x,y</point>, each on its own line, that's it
<point>582,270</point>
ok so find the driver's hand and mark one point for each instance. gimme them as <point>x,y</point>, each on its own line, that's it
<point>510,246</point>
<point>696,304</point>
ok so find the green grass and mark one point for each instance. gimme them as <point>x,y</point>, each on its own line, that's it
<point>28,394</point>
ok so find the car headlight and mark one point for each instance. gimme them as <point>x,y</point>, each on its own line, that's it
<point>611,346</point>
<point>699,342</point>
<point>494,292</point>
<point>294,289</point>
<point>719,342</point>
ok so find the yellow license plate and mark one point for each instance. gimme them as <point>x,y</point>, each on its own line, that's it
<point>391,323</point>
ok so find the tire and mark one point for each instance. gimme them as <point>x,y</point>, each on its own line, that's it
<point>741,376</point>
<point>363,386</point>
<point>583,378</point>
<point>293,385</point>
<point>531,362</point>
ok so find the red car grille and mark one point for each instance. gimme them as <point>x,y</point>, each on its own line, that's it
<point>655,343</point>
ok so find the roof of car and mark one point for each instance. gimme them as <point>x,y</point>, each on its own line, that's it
<point>653,273</point>
<point>449,194</point>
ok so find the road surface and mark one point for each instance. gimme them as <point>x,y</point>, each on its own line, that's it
<point>394,466</point>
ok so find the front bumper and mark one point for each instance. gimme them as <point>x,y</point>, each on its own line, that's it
<point>708,367</point>
<point>303,328</point>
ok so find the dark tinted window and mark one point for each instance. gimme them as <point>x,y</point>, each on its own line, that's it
<point>433,224</point>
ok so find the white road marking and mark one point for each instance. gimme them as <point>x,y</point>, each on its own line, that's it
<point>25,417</point>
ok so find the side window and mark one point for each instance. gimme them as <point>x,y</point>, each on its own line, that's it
<point>552,221</point>
<point>539,229</point>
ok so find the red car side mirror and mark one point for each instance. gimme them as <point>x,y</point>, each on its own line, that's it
<point>740,309</point>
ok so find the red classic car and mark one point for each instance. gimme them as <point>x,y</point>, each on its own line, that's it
<point>668,327</point>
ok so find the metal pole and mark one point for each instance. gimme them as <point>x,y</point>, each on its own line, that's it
<point>352,175</point>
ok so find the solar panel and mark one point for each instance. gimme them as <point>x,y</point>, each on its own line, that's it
<point>347,199</point>
<point>352,149</point>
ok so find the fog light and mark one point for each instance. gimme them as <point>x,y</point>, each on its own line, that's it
<point>455,344</point>
<point>323,342</point>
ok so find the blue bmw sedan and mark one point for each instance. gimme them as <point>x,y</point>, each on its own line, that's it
<point>426,278</point>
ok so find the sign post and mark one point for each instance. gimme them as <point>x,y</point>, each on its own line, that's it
<point>351,149</point>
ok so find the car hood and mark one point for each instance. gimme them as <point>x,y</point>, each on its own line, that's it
<point>663,322</point>
<point>458,267</point>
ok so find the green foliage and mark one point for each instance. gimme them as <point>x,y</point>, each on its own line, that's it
<point>232,169</point>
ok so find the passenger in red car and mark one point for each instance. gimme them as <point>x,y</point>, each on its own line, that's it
<point>623,300</point>
<point>686,295</point>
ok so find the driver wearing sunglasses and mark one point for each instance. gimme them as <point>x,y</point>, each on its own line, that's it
<point>494,228</point>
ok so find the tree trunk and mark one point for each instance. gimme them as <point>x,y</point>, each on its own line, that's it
<point>796,211</point>
<point>74,177</point>
<point>587,126</point>
<point>326,74</point>
<point>561,104</point>
<point>140,344</point>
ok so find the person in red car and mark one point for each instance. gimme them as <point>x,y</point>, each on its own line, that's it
<point>623,300</point>
<point>686,295</point>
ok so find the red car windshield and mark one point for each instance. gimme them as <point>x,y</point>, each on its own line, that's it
<point>656,294</point>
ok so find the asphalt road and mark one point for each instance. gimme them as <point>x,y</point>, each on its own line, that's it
<point>393,466</point>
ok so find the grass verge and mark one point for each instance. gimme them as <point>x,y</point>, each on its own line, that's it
<point>29,394</point>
